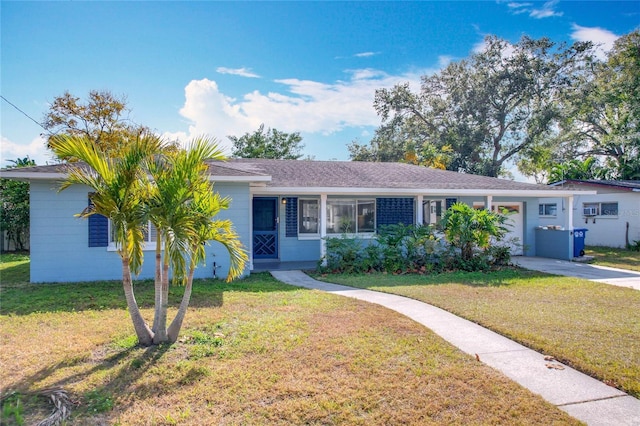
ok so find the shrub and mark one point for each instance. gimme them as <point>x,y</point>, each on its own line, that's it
<point>344,255</point>
<point>470,236</point>
<point>471,229</point>
<point>395,248</point>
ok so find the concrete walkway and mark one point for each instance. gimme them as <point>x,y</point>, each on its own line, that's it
<point>583,397</point>
<point>603,274</point>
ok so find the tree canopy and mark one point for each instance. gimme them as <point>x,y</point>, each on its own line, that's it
<point>102,118</point>
<point>602,117</point>
<point>14,206</point>
<point>479,114</point>
<point>270,143</point>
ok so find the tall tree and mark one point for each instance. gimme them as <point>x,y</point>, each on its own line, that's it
<point>602,117</point>
<point>576,169</point>
<point>270,143</point>
<point>14,206</point>
<point>145,180</point>
<point>487,109</point>
<point>118,185</point>
<point>205,206</point>
<point>182,205</point>
<point>102,118</point>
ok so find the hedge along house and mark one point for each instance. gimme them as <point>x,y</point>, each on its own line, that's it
<point>282,210</point>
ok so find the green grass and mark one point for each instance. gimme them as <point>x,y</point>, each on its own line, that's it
<point>254,351</point>
<point>14,268</point>
<point>590,326</point>
<point>615,257</point>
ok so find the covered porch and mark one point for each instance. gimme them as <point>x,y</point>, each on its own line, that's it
<point>290,230</point>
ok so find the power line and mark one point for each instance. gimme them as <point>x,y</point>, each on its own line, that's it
<point>24,113</point>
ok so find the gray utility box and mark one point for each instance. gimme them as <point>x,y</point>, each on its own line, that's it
<point>554,243</point>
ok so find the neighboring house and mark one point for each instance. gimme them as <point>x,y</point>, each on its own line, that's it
<point>611,215</point>
<point>282,211</point>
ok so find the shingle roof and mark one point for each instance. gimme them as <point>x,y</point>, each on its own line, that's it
<point>349,174</point>
<point>341,175</point>
<point>622,184</point>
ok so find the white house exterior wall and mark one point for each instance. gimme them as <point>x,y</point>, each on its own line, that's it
<point>602,230</point>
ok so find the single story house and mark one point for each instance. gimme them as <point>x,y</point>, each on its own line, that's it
<point>282,211</point>
<point>611,214</point>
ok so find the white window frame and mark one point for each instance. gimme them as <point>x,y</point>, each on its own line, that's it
<point>308,235</point>
<point>598,206</point>
<point>356,203</point>
<point>149,245</point>
<point>544,207</point>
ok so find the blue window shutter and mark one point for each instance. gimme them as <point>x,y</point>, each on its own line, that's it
<point>98,230</point>
<point>450,201</point>
<point>392,211</point>
<point>291,217</point>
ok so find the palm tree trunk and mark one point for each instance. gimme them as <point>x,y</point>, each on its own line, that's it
<point>161,309</point>
<point>158,282</point>
<point>144,333</point>
<point>176,324</point>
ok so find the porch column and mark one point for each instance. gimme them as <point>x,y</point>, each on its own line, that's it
<point>488,200</point>
<point>419,210</point>
<point>568,217</point>
<point>322,217</point>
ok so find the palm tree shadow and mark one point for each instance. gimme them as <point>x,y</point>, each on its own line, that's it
<point>26,298</point>
<point>133,363</point>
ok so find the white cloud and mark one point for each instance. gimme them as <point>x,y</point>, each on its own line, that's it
<point>35,150</point>
<point>365,54</point>
<point>481,46</point>
<point>601,38</point>
<point>301,106</point>
<point>444,60</point>
<point>242,72</point>
<point>519,8</point>
<point>546,11</point>
<point>516,5</point>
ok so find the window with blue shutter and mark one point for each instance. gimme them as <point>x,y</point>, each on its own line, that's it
<point>450,202</point>
<point>291,217</point>
<point>98,230</point>
<point>392,211</point>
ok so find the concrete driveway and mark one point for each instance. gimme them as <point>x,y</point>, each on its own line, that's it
<point>602,274</point>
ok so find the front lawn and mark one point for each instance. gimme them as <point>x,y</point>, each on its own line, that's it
<point>590,326</point>
<point>14,268</point>
<point>252,352</point>
<point>614,257</point>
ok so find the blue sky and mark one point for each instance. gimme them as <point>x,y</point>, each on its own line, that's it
<point>223,68</point>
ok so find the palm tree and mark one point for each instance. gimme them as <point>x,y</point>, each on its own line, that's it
<point>205,207</point>
<point>181,206</point>
<point>118,185</point>
<point>170,188</point>
<point>467,228</point>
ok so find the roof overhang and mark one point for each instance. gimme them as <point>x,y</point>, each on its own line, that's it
<point>11,174</point>
<point>249,179</point>
<point>15,174</point>
<point>267,190</point>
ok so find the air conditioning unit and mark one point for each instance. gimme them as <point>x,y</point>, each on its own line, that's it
<point>590,211</point>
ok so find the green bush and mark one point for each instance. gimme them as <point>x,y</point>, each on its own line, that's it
<point>344,255</point>
<point>470,236</point>
<point>472,230</point>
<point>394,249</point>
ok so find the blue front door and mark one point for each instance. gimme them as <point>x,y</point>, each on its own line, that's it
<point>265,228</point>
